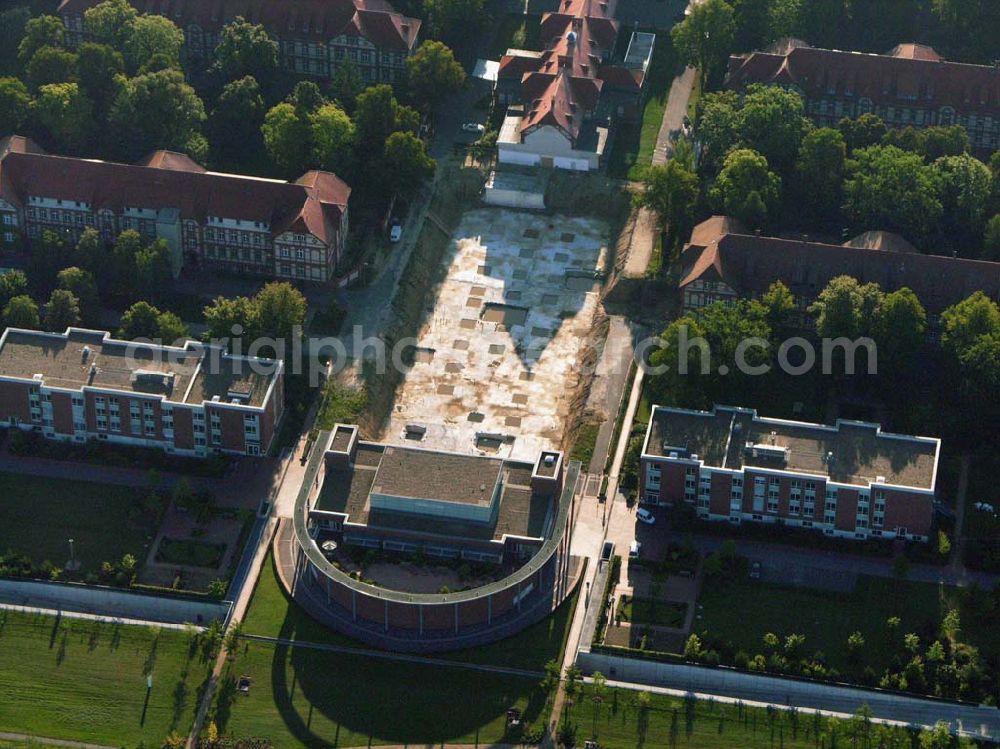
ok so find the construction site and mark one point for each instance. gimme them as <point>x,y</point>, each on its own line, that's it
<point>506,342</point>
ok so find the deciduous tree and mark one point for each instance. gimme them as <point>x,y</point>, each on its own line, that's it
<point>157,110</point>
<point>110,22</point>
<point>154,43</point>
<point>246,49</point>
<point>15,105</point>
<point>405,163</point>
<point>82,285</point>
<point>433,72</point>
<point>21,312</point>
<point>704,39</point>
<point>671,191</point>
<point>66,114</point>
<point>50,65</point>
<point>747,189</point>
<point>893,189</point>
<point>820,173</point>
<point>40,31</point>
<point>62,310</point>
<point>333,138</point>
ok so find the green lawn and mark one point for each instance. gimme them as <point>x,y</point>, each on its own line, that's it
<point>745,610</point>
<point>84,680</point>
<point>652,612</point>
<point>307,698</point>
<point>39,515</point>
<point>634,142</point>
<point>618,723</point>
<point>583,446</point>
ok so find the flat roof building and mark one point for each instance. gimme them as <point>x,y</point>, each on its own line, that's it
<point>851,479</point>
<point>192,399</point>
<point>513,515</point>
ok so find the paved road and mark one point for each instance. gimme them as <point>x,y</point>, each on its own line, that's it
<point>673,114</point>
<point>607,392</point>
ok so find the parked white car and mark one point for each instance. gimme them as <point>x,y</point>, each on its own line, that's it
<point>395,232</point>
<point>474,127</point>
<point>645,516</point>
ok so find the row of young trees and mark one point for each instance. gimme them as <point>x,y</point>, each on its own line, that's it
<point>762,161</point>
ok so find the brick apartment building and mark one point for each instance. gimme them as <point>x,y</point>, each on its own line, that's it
<point>314,36</point>
<point>247,225</point>
<point>910,86</point>
<point>850,480</point>
<point>565,99</point>
<point>191,400</point>
<point>722,262</point>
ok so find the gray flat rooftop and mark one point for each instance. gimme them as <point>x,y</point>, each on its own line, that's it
<point>446,477</point>
<point>111,364</point>
<point>850,452</point>
<point>522,512</point>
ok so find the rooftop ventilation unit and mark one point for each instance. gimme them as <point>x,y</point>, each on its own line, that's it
<point>550,460</point>
<point>880,479</point>
<point>86,353</point>
<point>153,378</point>
<point>771,452</point>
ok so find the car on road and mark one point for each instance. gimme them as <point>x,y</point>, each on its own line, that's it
<point>395,231</point>
<point>474,127</point>
<point>607,551</point>
<point>634,550</point>
<point>645,516</point>
<point>755,571</point>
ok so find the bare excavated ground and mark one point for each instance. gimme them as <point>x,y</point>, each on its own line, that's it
<point>502,352</point>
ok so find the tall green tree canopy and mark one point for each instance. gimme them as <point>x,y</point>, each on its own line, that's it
<point>40,31</point>
<point>15,105</point>
<point>333,138</point>
<point>66,114</point>
<point>50,65</point>
<point>246,49</point>
<point>820,174</point>
<point>22,312</point>
<point>433,72</point>
<point>892,189</point>
<point>747,189</point>
<point>671,191</point>
<point>157,110</point>
<point>454,20</point>
<point>62,310</point>
<point>154,43</point>
<point>110,22</point>
<point>405,163</point>
<point>771,121</point>
<point>705,38</point>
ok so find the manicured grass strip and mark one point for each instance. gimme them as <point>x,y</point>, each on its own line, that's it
<point>85,680</point>
<point>618,722</point>
<point>39,515</point>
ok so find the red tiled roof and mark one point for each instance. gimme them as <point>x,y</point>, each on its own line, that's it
<point>179,162</point>
<point>913,77</point>
<point>914,51</point>
<point>173,180</point>
<point>376,20</point>
<point>750,264</point>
